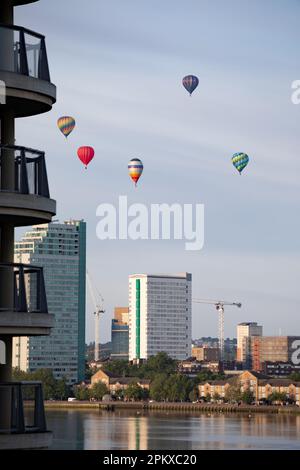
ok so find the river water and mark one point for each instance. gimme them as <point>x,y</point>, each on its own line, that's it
<point>134,430</point>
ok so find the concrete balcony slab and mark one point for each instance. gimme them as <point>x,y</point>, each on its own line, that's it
<point>27,96</point>
<point>25,209</point>
<point>26,324</point>
<point>28,441</point>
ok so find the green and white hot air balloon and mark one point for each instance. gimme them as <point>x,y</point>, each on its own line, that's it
<point>240,161</point>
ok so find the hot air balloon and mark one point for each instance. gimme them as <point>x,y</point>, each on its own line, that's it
<point>66,125</point>
<point>135,167</point>
<point>240,161</point>
<point>190,83</point>
<point>86,155</point>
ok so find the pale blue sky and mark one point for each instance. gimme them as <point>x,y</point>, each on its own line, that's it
<point>118,66</point>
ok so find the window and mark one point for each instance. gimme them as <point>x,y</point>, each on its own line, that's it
<point>2,352</point>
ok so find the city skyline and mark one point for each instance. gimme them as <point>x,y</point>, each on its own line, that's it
<point>132,105</point>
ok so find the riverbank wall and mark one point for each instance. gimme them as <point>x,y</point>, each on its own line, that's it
<point>180,407</point>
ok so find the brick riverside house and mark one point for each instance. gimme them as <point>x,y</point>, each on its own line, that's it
<point>260,385</point>
<point>114,383</point>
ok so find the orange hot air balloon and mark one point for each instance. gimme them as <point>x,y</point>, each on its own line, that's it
<point>86,155</point>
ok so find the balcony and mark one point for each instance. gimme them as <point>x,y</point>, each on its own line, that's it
<point>28,202</point>
<point>25,71</point>
<point>23,422</point>
<point>23,309</point>
<point>23,2</point>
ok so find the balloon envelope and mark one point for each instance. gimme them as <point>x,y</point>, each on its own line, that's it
<point>240,161</point>
<point>86,155</point>
<point>66,125</point>
<point>190,83</point>
<point>135,168</point>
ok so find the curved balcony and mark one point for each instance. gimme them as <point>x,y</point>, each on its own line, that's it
<point>23,309</point>
<point>29,202</point>
<point>24,71</point>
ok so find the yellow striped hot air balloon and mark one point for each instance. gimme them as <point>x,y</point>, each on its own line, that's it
<point>66,125</point>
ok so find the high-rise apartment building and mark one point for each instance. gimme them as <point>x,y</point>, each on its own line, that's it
<point>61,250</point>
<point>274,349</point>
<point>120,334</point>
<point>160,315</point>
<point>244,332</point>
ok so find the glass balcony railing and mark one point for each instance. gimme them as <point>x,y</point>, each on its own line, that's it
<point>14,419</point>
<point>30,174</point>
<point>23,51</point>
<point>27,293</point>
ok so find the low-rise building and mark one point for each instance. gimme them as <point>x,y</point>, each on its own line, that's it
<point>259,384</point>
<point>192,367</point>
<point>189,367</point>
<point>280,369</point>
<point>215,367</point>
<point>203,353</point>
<point>114,383</point>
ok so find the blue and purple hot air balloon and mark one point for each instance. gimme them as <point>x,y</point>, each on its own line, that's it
<point>190,83</point>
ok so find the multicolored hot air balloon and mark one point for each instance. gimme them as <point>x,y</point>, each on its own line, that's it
<point>86,155</point>
<point>135,167</point>
<point>190,83</point>
<point>66,125</point>
<point>240,161</point>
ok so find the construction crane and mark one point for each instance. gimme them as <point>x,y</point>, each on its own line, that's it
<point>98,303</point>
<point>219,304</point>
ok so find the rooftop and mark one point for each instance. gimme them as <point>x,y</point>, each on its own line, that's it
<point>187,276</point>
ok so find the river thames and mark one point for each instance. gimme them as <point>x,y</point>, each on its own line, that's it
<point>134,430</point>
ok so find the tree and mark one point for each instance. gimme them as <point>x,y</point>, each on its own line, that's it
<point>157,387</point>
<point>119,368</point>
<point>178,388</point>
<point>61,390</point>
<point>134,392</point>
<point>194,394</point>
<point>90,371</point>
<point>98,391</point>
<point>208,376</point>
<point>279,397</point>
<point>161,363</point>
<point>247,397</point>
<point>82,393</point>
<point>20,376</point>
<point>295,377</point>
<point>216,396</point>
<point>292,399</point>
<point>52,388</point>
<point>47,378</point>
<point>233,392</point>
<point>119,394</point>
